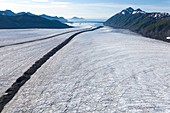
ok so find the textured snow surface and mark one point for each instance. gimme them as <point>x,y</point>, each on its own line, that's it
<point>14,36</point>
<point>15,60</point>
<point>10,36</point>
<point>104,71</point>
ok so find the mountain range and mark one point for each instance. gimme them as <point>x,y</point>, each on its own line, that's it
<point>11,13</point>
<point>73,19</point>
<point>153,25</point>
<point>77,18</point>
<point>11,20</point>
<point>61,19</point>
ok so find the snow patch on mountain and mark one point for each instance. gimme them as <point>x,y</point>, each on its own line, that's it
<point>158,15</point>
<point>131,11</point>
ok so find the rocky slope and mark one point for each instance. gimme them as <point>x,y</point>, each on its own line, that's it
<point>154,25</point>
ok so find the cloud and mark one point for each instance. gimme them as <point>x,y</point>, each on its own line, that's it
<point>153,8</point>
<point>40,1</point>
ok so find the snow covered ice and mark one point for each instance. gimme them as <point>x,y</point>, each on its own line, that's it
<point>104,71</point>
<point>15,60</point>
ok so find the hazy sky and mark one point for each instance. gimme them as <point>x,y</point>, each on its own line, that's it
<point>88,8</point>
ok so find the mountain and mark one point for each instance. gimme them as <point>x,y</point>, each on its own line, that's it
<point>23,13</point>
<point>77,19</point>
<point>61,19</point>
<point>7,13</point>
<point>154,25</point>
<point>11,20</point>
<point>28,21</point>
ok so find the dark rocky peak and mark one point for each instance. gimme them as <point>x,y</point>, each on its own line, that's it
<point>129,9</point>
<point>138,9</point>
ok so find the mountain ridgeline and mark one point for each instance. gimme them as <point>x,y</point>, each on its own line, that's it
<point>154,25</point>
<point>10,20</point>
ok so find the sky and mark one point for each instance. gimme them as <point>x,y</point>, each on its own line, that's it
<point>90,9</point>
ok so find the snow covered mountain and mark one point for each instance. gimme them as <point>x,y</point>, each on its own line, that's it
<point>131,11</point>
<point>154,25</point>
